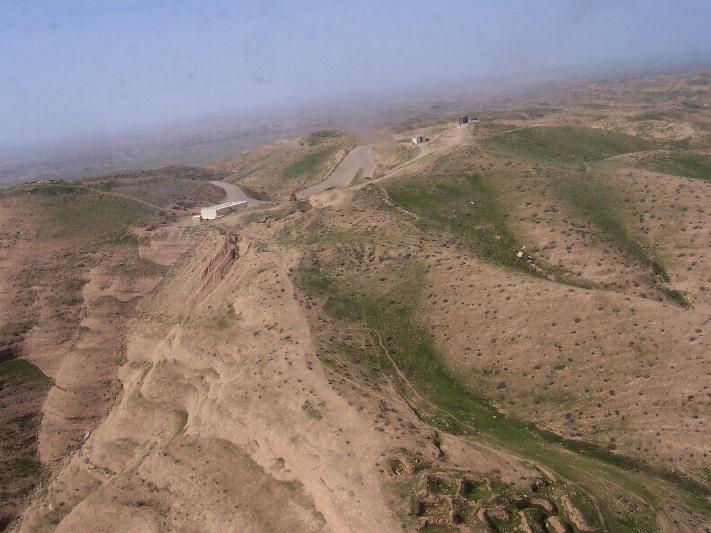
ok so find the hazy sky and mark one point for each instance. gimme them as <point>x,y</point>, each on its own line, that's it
<point>78,67</point>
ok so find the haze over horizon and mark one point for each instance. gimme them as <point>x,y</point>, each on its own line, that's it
<point>84,68</point>
<point>310,266</point>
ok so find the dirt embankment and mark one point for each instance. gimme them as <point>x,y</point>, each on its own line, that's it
<point>85,384</point>
<point>39,310</point>
<point>59,378</point>
<point>217,371</point>
<point>69,276</point>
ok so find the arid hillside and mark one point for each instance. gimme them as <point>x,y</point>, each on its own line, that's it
<point>70,271</point>
<point>503,329</point>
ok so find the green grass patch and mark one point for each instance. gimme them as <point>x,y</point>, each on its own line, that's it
<point>55,189</point>
<point>493,128</point>
<point>86,214</point>
<point>126,236</point>
<point>166,192</point>
<point>182,172</point>
<point>362,357</point>
<point>343,236</point>
<point>537,110</point>
<point>680,164</point>
<point>465,205</point>
<point>246,171</point>
<point>308,165</point>
<point>273,213</point>
<point>477,492</point>
<point>462,204</point>
<point>440,486</point>
<point>452,406</point>
<point>19,368</point>
<point>403,154</point>
<point>21,467</point>
<point>666,115</point>
<point>253,193</point>
<point>594,202</point>
<point>693,106</point>
<point>28,422</point>
<point>567,143</point>
<point>677,297</point>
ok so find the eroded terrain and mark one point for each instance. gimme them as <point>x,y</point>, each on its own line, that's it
<point>503,329</point>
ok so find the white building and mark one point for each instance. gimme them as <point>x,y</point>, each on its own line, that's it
<point>419,139</point>
<point>220,210</point>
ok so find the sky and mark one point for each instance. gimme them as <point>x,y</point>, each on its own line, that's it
<point>77,68</point>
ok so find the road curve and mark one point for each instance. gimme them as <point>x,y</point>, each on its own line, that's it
<point>357,159</point>
<point>235,194</point>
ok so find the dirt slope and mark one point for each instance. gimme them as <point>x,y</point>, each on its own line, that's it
<point>358,163</point>
<point>70,272</point>
<point>205,401</point>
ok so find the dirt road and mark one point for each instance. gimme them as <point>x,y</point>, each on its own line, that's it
<point>358,159</point>
<point>235,194</point>
<point>440,144</point>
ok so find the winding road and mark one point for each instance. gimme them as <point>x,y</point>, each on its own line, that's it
<point>235,194</point>
<point>357,159</point>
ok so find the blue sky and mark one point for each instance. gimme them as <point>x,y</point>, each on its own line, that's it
<point>81,67</point>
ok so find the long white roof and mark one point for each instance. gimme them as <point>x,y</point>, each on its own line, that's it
<point>226,204</point>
